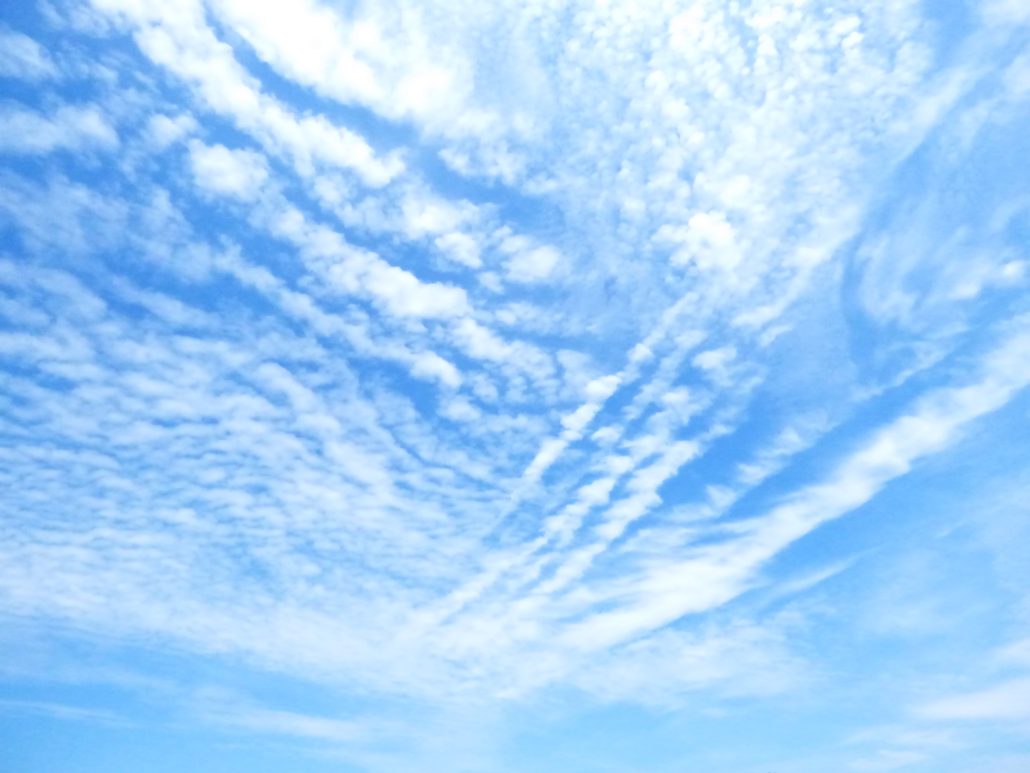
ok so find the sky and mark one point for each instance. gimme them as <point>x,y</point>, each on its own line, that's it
<point>529,385</point>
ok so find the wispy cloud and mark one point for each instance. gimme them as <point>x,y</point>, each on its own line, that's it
<point>22,57</point>
<point>68,128</point>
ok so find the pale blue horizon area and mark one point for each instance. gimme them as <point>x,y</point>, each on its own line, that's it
<point>502,387</point>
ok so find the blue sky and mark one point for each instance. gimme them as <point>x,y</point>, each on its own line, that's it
<point>516,386</point>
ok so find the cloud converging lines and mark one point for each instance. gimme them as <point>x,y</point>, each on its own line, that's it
<point>381,373</point>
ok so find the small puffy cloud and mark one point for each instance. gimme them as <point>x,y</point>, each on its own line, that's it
<point>238,174</point>
<point>22,57</point>
<point>574,423</point>
<point>431,216</point>
<point>163,130</point>
<point>69,128</point>
<point>403,294</point>
<point>640,353</point>
<point>600,389</point>
<point>481,342</point>
<point>315,139</point>
<point>715,361</point>
<point>460,410</point>
<point>533,264</point>
<point>461,248</point>
<point>432,366</point>
<point>707,240</point>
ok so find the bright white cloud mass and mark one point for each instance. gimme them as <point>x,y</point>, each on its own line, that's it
<point>514,386</point>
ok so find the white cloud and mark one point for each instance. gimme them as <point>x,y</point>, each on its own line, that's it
<point>1016,653</point>
<point>709,576</point>
<point>164,131</point>
<point>431,365</point>
<point>398,60</point>
<point>1005,12</point>
<point>229,711</point>
<point>532,264</point>
<point>350,269</point>
<point>71,128</point>
<point>239,174</point>
<point>63,711</point>
<point>376,451</point>
<point>1005,701</point>
<point>737,659</point>
<point>403,294</point>
<point>22,57</point>
<point>460,248</point>
<point>707,240</point>
<point>178,39</point>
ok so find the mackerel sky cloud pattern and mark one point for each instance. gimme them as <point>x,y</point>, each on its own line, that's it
<point>514,386</point>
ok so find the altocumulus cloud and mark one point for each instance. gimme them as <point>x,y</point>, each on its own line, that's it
<point>506,386</point>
